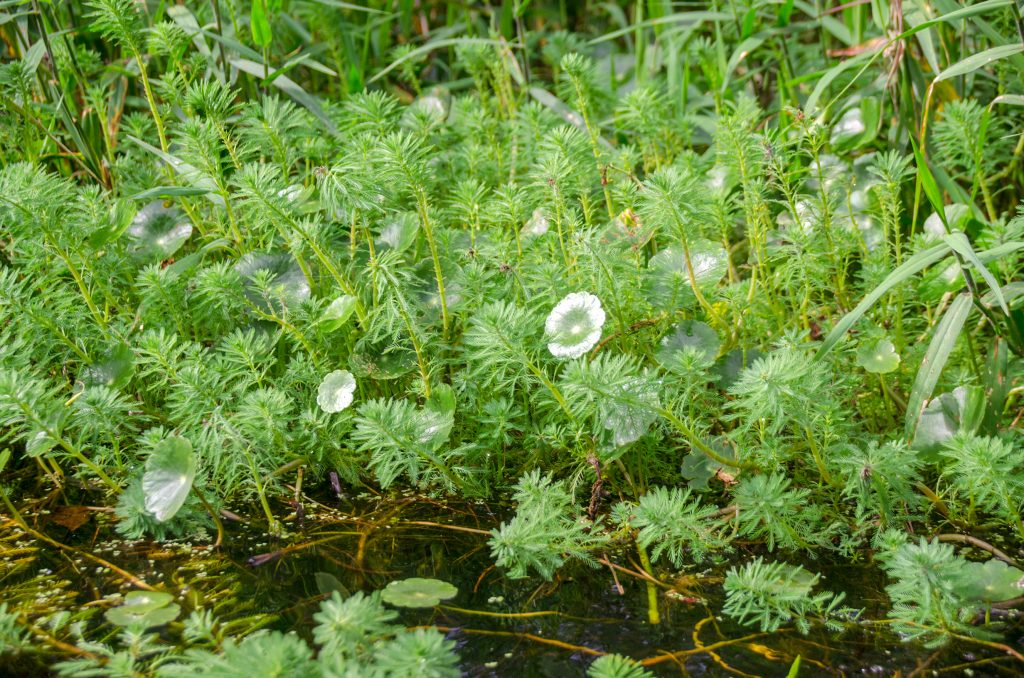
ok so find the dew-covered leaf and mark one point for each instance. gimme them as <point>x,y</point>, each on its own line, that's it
<point>144,609</point>
<point>734,362</point>
<point>398,233</point>
<point>630,414</point>
<point>668,276</point>
<point>381,360</point>
<point>113,370</point>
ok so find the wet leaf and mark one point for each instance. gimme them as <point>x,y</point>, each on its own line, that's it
<point>381,360</point>
<point>399,233</point>
<point>668,276</point>
<point>113,370</point>
<point>734,362</point>
<point>144,609</point>
<point>71,517</point>
<point>170,471</point>
<point>327,584</point>
<point>417,592</point>
<point>698,469</point>
<point>991,582</point>
<point>631,414</point>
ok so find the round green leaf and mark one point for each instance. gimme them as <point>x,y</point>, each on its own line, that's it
<point>145,609</point>
<point>417,592</point>
<point>990,582</point>
<point>336,391</point>
<point>113,370</point>
<point>688,335</point>
<point>668,277</point>
<point>338,312</point>
<point>878,358</point>
<point>170,470</point>
<point>940,419</point>
<point>399,233</point>
<point>290,283</point>
<point>157,232</point>
<point>380,360</point>
<point>734,362</point>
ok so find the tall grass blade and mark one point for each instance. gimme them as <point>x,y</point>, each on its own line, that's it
<point>935,359</point>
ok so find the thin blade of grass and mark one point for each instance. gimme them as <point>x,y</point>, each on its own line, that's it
<point>946,334</point>
<point>430,47</point>
<point>959,243</point>
<point>976,61</point>
<point>910,267</point>
<point>289,87</point>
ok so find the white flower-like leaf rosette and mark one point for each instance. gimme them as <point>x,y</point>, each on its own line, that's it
<point>336,391</point>
<point>574,325</point>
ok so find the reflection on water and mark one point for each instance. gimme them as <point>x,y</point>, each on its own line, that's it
<point>503,627</point>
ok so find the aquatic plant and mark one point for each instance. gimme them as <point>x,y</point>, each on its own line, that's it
<point>699,288</point>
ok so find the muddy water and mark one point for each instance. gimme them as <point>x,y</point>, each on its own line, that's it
<point>502,627</point>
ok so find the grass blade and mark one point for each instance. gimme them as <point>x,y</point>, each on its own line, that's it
<point>976,61</point>
<point>935,359</point>
<point>910,267</point>
<point>959,243</point>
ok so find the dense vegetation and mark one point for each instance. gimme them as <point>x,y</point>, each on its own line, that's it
<point>732,286</point>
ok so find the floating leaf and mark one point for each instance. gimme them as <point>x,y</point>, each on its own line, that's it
<point>381,360</point>
<point>698,469</point>
<point>935,228</point>
<point>857,127</point>
<point>878,358</point>
<point>327,584</point>
<point>536,225</point>
<point>948,413</point>
<point>990,582</point>
<point>336,391</point>
<point>434,106</point>
<point>170,470</point>
<point>144,609</point>
<point>417,592</point>
<point>157,232</point>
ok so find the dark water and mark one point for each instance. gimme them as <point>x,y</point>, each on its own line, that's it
<point>502,627</point>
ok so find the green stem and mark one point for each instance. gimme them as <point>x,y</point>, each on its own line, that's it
<point>428,231</point>
<point>653,616</point>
